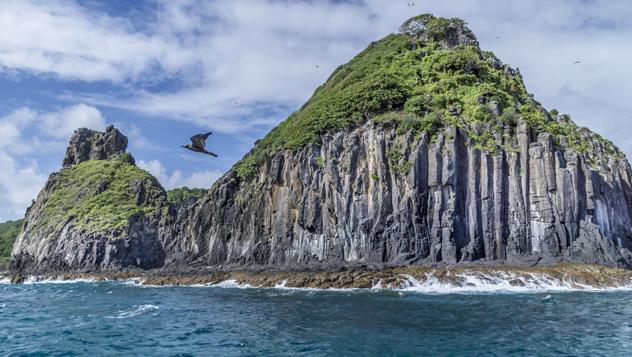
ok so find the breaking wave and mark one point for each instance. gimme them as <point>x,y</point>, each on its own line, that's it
<point>480,282</point>
<point>230,283</point>
<point>57,281</point>
<point>142,309</point>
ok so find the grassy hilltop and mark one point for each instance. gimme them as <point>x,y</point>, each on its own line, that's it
<point>414,81</point>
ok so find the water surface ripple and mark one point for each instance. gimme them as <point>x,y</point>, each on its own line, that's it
<point>113,318</point>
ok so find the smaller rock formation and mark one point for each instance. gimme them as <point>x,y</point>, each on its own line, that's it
<point>100,213</point>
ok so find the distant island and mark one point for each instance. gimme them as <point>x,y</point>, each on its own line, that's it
<point>8,233</point>
<point>422,152</point>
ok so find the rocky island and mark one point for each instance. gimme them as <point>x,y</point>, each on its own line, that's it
<point>422,153</point>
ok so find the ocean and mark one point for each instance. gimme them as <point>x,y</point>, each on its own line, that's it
<point>81,318</point>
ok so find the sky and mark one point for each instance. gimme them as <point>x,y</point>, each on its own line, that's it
<point>161,71</point>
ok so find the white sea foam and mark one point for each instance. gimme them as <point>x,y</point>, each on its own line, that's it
<point>37,280</point>
<point>133,281</point>
<point>231,283</point>
<point>478,282</point>
<point>142,309</point>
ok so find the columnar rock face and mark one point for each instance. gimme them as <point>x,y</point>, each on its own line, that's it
<point>346,202</point>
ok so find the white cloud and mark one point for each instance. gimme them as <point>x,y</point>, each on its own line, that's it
<point>28,132</point>
<point>198,179</point>
<point>243,62</point>
<point>68,41</point>
<point>62,124</point>
<point>19,184</point>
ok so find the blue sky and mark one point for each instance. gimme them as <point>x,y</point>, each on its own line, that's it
<point>164,70</point>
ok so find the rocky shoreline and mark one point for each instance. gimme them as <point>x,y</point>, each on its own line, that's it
<point>571,276</point>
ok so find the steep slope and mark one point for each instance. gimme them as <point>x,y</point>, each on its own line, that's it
<point>100,212</point>
<point>422,148</point>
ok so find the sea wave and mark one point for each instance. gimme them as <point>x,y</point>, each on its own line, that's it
<point>496,282</point>
<point>230,283</point>
<point>38,280</point>
<point>139,310</point>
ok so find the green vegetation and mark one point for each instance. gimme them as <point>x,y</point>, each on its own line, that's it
<point>320,162</point>
<point>434,28</point>
<point>127,158</point>
<point>101,195</point>
<point>414,82</point>
<point>397,162</point>
<point>9,231</point>
<point>184,194</point>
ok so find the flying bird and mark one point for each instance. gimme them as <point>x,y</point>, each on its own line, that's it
<point>577,62</point>
<point>198,144</point>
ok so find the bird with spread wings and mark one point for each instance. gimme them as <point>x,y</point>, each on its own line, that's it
<point>198,144</point>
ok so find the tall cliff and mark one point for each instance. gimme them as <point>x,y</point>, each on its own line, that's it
<point>421,149</point>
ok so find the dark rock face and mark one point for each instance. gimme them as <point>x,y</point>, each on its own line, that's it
<point>72,249</point>
<point>451,203</point>
<point>88,144</point>
<point>353,201</point>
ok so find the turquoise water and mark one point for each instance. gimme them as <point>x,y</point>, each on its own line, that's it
<point>85,318</point>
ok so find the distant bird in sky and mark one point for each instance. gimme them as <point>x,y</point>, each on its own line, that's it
<point>498,37</point>
<point>198,144</point>
<point>577,62</point>
<point>317,66</point>
<point>411,4</point>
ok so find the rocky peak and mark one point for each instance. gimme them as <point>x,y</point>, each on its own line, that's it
<point>447,33</point>
<point>87,144</point>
